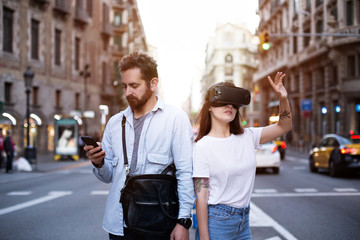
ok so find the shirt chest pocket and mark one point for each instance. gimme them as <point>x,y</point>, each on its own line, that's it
<point>156,162</point>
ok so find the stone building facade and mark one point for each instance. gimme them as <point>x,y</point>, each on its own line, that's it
<point>317,44</point>
<point>69,46</point>
<point>231,55</point>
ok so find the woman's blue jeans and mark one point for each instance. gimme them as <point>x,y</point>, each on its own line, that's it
<point>228,223</point>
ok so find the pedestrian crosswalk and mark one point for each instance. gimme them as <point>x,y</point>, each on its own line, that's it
<point>258,192</point>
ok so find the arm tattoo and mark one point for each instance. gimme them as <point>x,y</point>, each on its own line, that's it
<point>201,183</point>
<point>284,114</point>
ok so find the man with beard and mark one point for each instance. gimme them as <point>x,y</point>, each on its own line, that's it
<point>157,135</point>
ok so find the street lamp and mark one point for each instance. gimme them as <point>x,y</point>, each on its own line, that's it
<point>86,74</point>
<point>28,77</point>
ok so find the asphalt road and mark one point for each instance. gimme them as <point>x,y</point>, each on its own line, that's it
<point>296,204</point>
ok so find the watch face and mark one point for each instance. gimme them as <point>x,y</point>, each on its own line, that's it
<point>186,222</point>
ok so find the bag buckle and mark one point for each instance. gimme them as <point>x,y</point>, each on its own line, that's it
<point>127,169</point>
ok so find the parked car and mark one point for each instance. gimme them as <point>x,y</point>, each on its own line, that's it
<point>335,153</point>
<point>281,147</point>
<point>268,156</point>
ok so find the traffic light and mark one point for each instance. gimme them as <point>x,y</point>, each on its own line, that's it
<point>264,40</point>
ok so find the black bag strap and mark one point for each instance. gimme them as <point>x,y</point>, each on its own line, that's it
<point>126,162</point>
<point>170,168</point>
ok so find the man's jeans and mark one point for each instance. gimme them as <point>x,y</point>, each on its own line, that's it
<point>228,223</point>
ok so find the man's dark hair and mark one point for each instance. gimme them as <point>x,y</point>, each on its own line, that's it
<point>146,64</point>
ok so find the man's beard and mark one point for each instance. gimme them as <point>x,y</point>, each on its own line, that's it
<point>137,104</point>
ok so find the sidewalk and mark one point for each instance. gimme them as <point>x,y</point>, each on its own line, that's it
<point>44,163</point>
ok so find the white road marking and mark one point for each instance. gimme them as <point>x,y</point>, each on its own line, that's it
<point>259,218</point>
<point>51,196</point>
<point>299,168</point>
<point>345,190</point>
<point>305,194</point>
<point>295,159</point>
<point>302,190</point>
<point>20,193</point>
<point>99,193</point>
<point>269,190</point>
<point>273,238</point>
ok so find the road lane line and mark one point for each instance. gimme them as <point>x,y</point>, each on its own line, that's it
<point>269,190</point>
<point>19,193</point>
<point>259,218</point>
<point>295,159</point>
<point>317,194</point>
<point>345,190</point>
<point>51,196</point>
<point>302,190</point>
<point>99,193</point>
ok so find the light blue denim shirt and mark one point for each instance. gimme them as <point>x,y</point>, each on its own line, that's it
<point>166,137</point>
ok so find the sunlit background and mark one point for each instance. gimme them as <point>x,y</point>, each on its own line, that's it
<point>180,31</point>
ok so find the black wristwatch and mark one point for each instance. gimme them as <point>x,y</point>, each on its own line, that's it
<point>185,222</point>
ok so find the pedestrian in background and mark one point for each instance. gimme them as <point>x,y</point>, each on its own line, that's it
<point>225,165</point>
<point>9,150</point>
<point>1,147</point>
<point>157,135</point>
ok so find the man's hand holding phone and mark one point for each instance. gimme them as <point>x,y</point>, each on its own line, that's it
<point>94,151</point>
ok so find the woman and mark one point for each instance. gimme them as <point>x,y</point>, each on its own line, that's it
<point>225,164</point>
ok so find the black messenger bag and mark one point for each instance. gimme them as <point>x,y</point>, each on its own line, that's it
<point>150,201</point>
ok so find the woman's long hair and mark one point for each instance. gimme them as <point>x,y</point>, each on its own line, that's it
<point>204,117</point>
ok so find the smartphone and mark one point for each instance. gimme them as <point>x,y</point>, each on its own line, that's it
<point>89,141</point>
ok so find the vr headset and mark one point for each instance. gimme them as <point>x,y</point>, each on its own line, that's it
<point>223,95</point>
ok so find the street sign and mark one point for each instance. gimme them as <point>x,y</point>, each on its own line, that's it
<point>306,105</point>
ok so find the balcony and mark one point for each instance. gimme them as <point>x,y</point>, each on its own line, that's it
<point>81,16</point>
<point>42,3</point>
<point>118,5</point>
<point>62,6</point>
<point>122,28</point>
<point>118,51</point>
<point>106,29</point>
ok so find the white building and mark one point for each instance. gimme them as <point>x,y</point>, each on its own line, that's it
<point>231,56</point>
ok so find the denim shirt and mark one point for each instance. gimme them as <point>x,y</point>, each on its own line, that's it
<point>166,138</point>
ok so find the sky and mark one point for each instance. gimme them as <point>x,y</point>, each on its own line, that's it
<point>180,31</point>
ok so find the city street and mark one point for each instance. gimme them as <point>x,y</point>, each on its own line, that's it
<point>69,204</point>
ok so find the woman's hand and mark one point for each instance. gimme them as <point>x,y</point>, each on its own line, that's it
<point>277,84</point>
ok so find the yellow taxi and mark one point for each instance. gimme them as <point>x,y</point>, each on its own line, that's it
<point>281,147</point>
<point>335,153</point>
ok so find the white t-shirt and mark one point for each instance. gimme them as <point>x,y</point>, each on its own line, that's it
<point>230,163</point>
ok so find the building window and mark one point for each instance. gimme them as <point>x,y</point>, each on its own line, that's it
<point>349,13</point>
<point>295,44</point>
<point>351,65</point>
<point>35,96</point>
<point>228,58</point>
<point>7,29</point>
<point>104,73</point>
<point>89,7</point>
<point>118,42</point>
<point>8,88</point>
<point>77,101</point>
<point>306,39</point>
<point>117,19</point>
<point>229,71</point>
<point>77,53</point>
<point>34,39</point>
<point>57,48</point>
<point>58,98</point>
<point>319,28</point>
